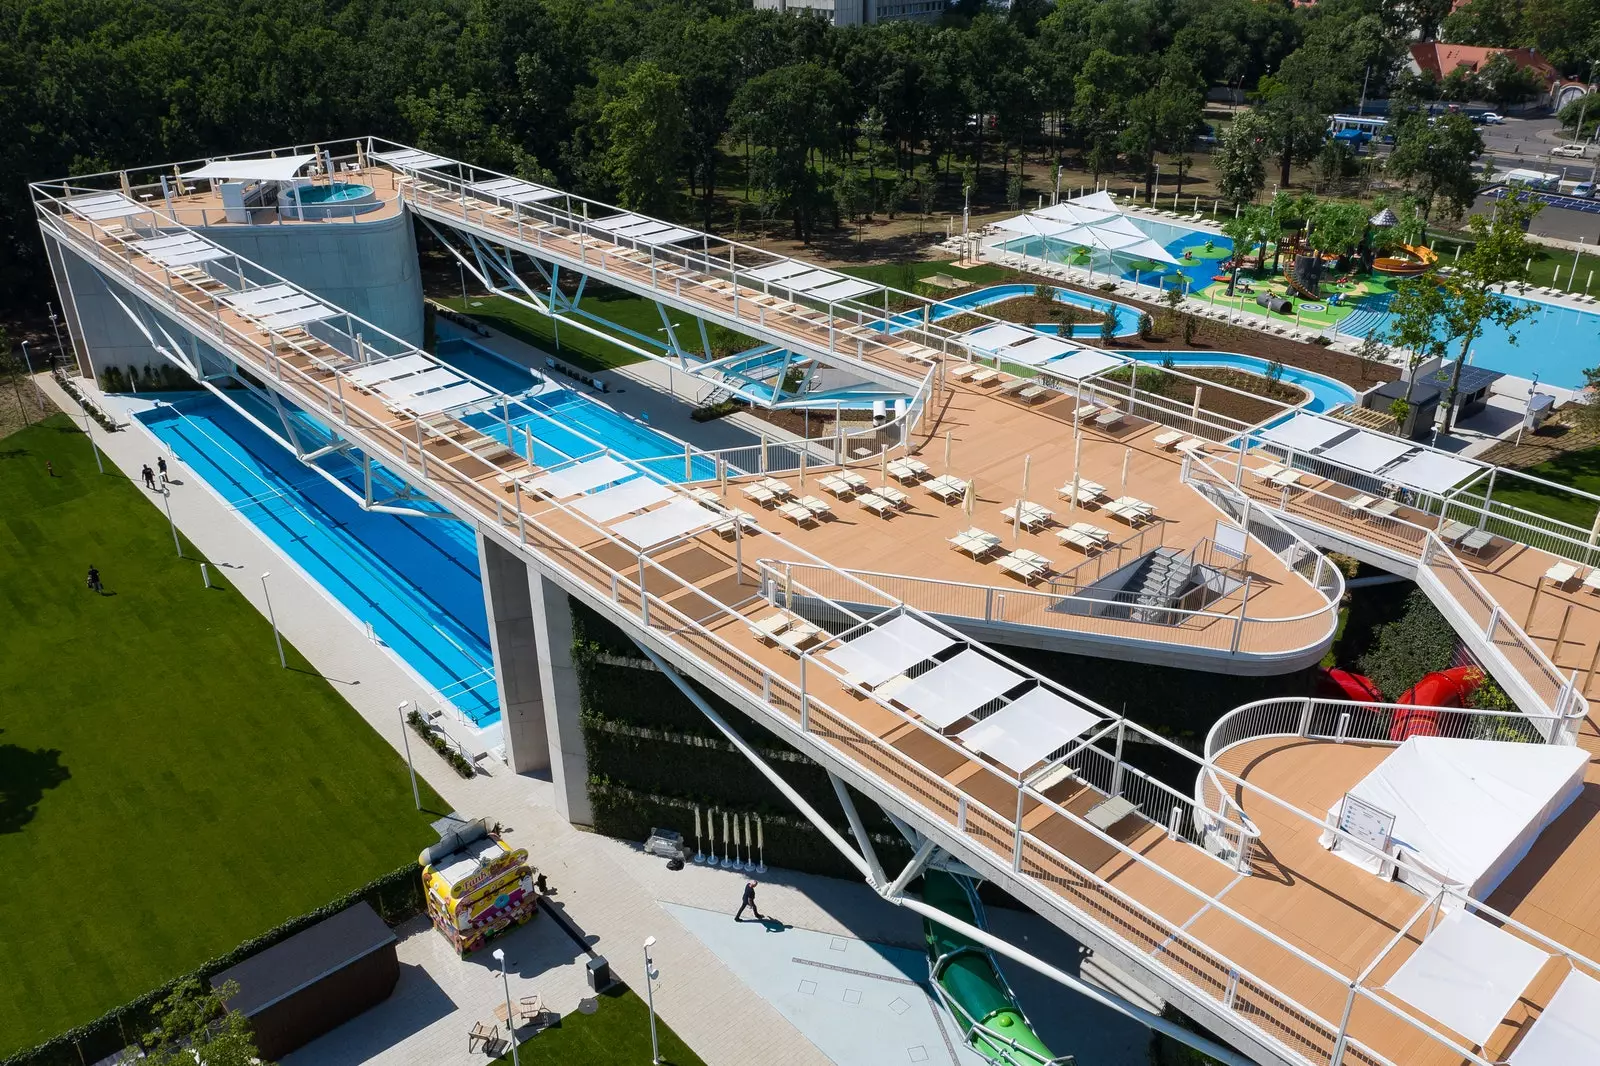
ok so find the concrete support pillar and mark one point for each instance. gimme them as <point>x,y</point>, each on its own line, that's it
<point>569,758</point>
<point>506,598</point>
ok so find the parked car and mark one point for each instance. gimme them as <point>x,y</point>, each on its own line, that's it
<point>1573,151</point>
<point>1492,119</point>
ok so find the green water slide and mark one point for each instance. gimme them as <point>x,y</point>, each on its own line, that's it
<point>969,982</point>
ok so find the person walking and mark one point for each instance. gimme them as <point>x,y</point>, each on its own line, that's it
<point>49,468</point>
<point>161,467</point>
<point>749,901</point>
<point>149,477</point>
<point>94,581</point>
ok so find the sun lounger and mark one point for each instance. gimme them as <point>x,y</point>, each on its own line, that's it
<point>797,513</point>
<point>1028,565</point>
<point>1033,515</point>
<point>853,479</point>
<point>1592,581</point>
<point>1286,478</point>
<point>768,627</point>
<point>706,496</point>
<point>975,542</point>
<point>1561,573</point>
<point>736,519</point>
<point>1032,393</point>
<point>837,485</point>
<point>776,487</point>
<point>1131,510</point>
<point>1088,491</point>
<point>760,494</point>
<point>816,505</point>
<point>1452,531</point>
<point>800,636</point>
<point>1107,813</point>
<point>1167,440</point>
<point>876,504</point>
<point>1383,508</point>
<point>1359,503</point>
<point>1085,537</point>
<point>893,495</point>
<point>1108,418</point>
<point>1476,541</point>
<point>1268,472</point>
<point>907,470</point>
<point>947,488</point>
<point>1194,446</point>
<point>983,376</point>
<point>962,372</point>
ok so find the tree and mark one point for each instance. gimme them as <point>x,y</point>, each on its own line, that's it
<point>644,127</point>
<point>1250,227</point>
<point>1163,117</point>
<point>1438,159</point>
<point>196,1028</point>
<point>1504,81</point>
<point>1419,642</point>
<point>1337,228</point>
<point>1583,109</point>
<point>1100,96</point>
<point>1241,158</point>
<point>792,114</point>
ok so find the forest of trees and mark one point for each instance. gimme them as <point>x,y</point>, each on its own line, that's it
<point>645,102</point>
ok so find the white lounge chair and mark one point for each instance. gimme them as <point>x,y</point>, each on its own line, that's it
<point>797,514</point>
<point>1131,510</point>
<point>816,505</point>
<point>876,504</point>
<point>983,376</point>
<point>975,542</point>
<point>907,471</point>
<point>1561,573</point>
<point>1169,439</point>
<point>760,494</point>
<point>1030,566</point>
<point>1088,491</point>
<point>1033,515</point>
<point>893,495</point>
<point>947,488</point>
<point>837,485</point>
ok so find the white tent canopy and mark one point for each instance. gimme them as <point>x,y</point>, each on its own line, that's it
<point>1567,1031</point>
<point>1304,433</point>
<point>1086,364</point>
<point>282,168</point>
<point>885,651</point>
<point>991,339</point>
<point>1025,731</point>
<point>1432,472</point>
<point>1465,811</point>
<point>677,519</point>
<point>626,498</point>
<point>1036,351</point>
<point>957,687</point>
<point>1468,974</point>
<point>1092,222</point>
<point>1369,452</point>
<point>101,206</point>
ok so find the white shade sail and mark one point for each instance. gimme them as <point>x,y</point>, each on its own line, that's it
<point>445,399</point>
<point>626,498</point>
<point>957,687</point>
<point>416,384</point>
<point>786,268</point>
<point>888,650</point>
<point>412,159</point>
<point>1035,351</point>
<point>101,206</point>
<point>1369,452</point>
<point>582,477</point>
<point>618,222</point>
<point>677,519</point>
<point>1567,1031</point>
<point>283,168</point>
<point>1432,472</point>
<point>1086,364</point>
<point>1305,433</point>
<point>991,339</point>
<point>372,373</point>
<point>1468,975</point>
<point>1025,731</point>
<point>253,297</point>
<point>844,290</point>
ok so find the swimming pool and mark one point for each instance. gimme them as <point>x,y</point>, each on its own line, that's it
<point>1326,392</point>
<point>332,193</point>
<point>339,199</point>
<point>1127,316</point>
<point>414,580</point>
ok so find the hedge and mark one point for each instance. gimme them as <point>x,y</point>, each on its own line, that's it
<point>396,896</point>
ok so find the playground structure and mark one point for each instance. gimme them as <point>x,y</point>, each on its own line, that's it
<point>970,983</point>
<point>477,886</point>
<point>1428,701</point>
<point>1413,259</point>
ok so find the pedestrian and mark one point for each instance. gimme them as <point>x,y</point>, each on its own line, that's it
<point>749,901</point>
<point>94,579</point>
<point>161,466</point>
<point>49,468</point>
<point>149,477</point>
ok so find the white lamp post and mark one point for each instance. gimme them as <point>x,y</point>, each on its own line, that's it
<point>278,640</point>
<point>405,739</point>
<point>166,498</point>
<point>650,974</point>
<point>505,982</point>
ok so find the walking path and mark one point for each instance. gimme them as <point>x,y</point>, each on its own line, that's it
<point>614,894</point>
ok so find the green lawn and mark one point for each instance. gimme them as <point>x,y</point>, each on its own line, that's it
<point>166,790</point>
<point>618,1033</point>
<point>1581,470</point>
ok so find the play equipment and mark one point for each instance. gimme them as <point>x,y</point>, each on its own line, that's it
<point>1415,260</point>
<point>1427,703</point>
<point>477,886</point>
<point>970,983</point>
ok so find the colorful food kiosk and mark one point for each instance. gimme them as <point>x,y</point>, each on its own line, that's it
<point>477,886</point>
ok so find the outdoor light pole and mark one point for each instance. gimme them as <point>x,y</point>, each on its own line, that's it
<point>650,974</point>
<point>55,325</point>
<point>462,270</point>
<point>27,359</point>
<point>87,432</point>
<point>166,498</point>
<point>505,982</point>
<point>278,640</point>
<point>406,740</point>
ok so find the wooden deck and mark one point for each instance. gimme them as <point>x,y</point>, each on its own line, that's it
<point>201,207</point>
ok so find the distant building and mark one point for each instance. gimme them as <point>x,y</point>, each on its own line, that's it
<point>863,12</point>
<point>1440,59</point>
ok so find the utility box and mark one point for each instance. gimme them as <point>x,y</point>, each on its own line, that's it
<point>599,971</point>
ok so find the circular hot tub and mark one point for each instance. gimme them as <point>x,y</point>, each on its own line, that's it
<point>336,199</point>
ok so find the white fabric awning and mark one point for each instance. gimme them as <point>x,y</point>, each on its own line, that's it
<point>1567,1031</point>
<point>677,519</point>
<point>1466,811</point>
<point>614,223</point>
<point>670,235</point>
<point>1305,433</point>
<point>1432,472</point>
<point>844,290</point>
<point>412,159</point>
<point>957,687</point>
<point>1369,452</point>
<point>888,650</point>
<point>372,373</point>
<point>1035,351</point>
<point>1086,364</point>
<point>283,168</point>
<point>300,316</point>
<point>788,268</point>
<point>514,190</point>
<point>444,399</point>
<point>1468,975</point>
<point>101,206</point>
<point>811,279</point>
<point>254,297</point>
<point>991,339</point>
<point>1025,731</point>
<point>581,477</point>
<point>417,384</point>
<point>626,498</point>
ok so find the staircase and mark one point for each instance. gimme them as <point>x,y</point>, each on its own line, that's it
<point>1159,582</point>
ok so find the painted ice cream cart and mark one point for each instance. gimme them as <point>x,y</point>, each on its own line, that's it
<point>477,886</point>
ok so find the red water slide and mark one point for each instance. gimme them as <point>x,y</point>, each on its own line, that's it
<point>1427,700</point>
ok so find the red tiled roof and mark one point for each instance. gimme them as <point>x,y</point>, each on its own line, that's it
<point>1441,59</point>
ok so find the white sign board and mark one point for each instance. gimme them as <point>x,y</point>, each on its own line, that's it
<point>1368,824</point>
<point>1230,540</point>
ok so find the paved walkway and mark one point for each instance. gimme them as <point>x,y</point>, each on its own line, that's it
<point>613,893</point>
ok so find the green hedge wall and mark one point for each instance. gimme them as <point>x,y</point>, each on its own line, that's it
<point>396,896</point>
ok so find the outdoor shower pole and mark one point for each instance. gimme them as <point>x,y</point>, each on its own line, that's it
<point>276,638</point>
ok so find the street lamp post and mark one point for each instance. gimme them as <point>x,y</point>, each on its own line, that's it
<point>405,739</point>
<point>650,974</point>
<point>55,320</point>
<point>87,432</point>
<point>462,270</point>
<point>27,358</point>
<point>166,498</point>
<point>505,982</point>
<point>278,640</point>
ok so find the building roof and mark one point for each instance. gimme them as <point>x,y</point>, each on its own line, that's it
<point>1440,59</point>
<point>280,971</point>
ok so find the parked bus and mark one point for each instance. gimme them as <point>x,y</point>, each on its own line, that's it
<point>1357,130</point>
<point>1533,179</point>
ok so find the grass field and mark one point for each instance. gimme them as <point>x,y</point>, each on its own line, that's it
<point>1580,469</point>
<point>616,1034</point>
<point>166,790</point>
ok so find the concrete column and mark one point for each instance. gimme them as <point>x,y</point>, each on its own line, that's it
<point>506,581</point>
<point>568,757</point>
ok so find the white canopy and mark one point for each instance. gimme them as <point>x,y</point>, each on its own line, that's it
<point>581,477</point>
<point>384,370</point>
<point>1036,351</point>
<point>444,399</point>
<point>1468,975</point>
<point>1025,731</point>
<point>1305,433</point>
<point>678,518</point>
<point>1567,1031</point>
<point>885,651</point>
<point>101,206</point>
<point>254,297</point>
<point>786,268</point>
<point>515,190</point>
<point>1370,452</point>
<point>623,499</point>
<point>412,159</point>
<point>1433,472</point>
<point>283,168</point>
<point>991,339</point>
<point>1093,222</point>
<point>957,687</point>
<point>844,290</point>
<point>1086,364</point>
<point>417,384</point>
<point>1466,811</point>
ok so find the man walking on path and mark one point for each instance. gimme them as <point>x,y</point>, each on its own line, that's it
<point>749,901</point>
<point>161,467</point>
<point>94,584</point>
<point>149,477</point>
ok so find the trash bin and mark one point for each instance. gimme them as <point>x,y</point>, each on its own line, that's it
<point>599,973</point>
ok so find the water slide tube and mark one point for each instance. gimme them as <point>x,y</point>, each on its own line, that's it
<point>970,983</point>
<point>1416,260</point>
<point>1426,701</point>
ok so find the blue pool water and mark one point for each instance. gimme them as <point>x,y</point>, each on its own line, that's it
<point>414,579</point>
<point>1325,391</point>
<point>1127,317</point>
<point>333,193</point>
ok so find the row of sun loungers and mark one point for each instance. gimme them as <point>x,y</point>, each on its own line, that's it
<point>788,631</point>
<point>1174,440</point>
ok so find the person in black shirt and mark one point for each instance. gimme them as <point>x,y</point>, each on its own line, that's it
<point>749,901</point>
<point>94,583</point>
